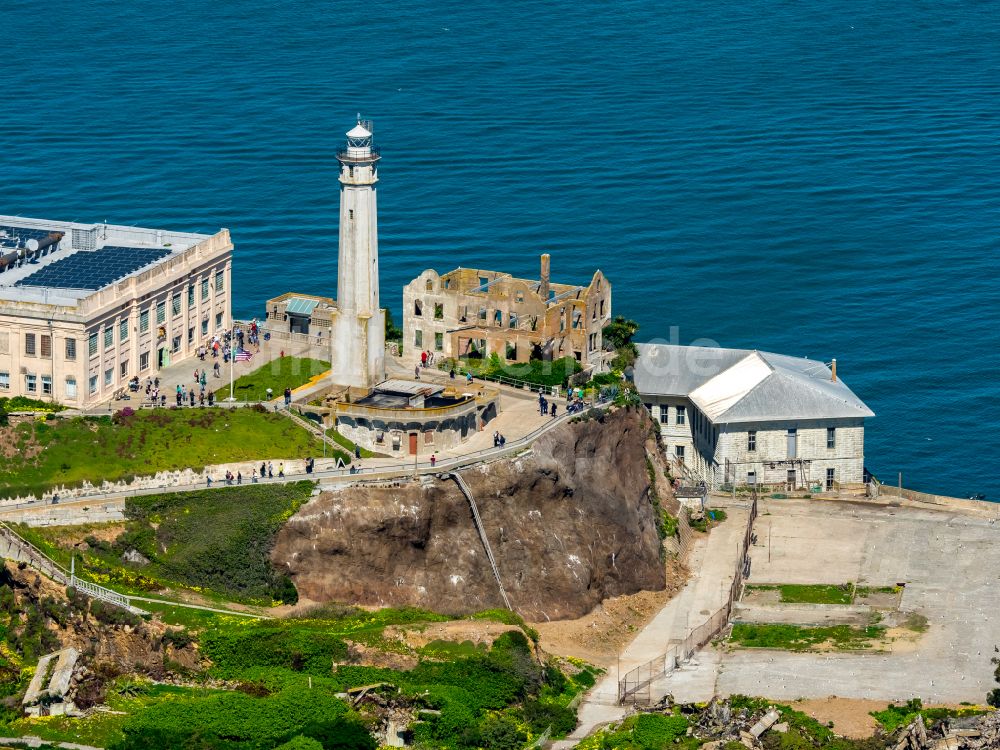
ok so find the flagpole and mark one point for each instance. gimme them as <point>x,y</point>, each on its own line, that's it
<point>232,361</point>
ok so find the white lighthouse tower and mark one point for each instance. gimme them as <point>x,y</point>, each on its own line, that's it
<point>358,335</point>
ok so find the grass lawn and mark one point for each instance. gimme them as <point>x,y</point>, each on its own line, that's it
<point>69,451</point>
<point>811,593</point>
<point>216,542</point>
<point>278,374</point>
<point>801,638</point>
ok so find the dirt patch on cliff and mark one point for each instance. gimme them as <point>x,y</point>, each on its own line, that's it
<point>570,524</point>
<point>600,635</point>
<point>477,632</point>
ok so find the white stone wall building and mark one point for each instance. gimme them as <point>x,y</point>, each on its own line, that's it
<point>85,307</point>
<point>740,417</point>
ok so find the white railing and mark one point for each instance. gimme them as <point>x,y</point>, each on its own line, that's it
<point>482,533</point>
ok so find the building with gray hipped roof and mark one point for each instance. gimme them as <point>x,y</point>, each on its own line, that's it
<point>745,417</point>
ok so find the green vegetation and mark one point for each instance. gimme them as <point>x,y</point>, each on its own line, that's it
<point>287,674</point>
<point>71,451</point>
<point>278,374</point>
<point>845,593</point>
<point>803,638</point>
<point>811,593</point>
<point>23,403</point>
<point>894,717</point>
<point>710,518</point>
<point>618,335</point>
<point>218,539</point>
<point>392,331</point>
<point>666,524</point>
<point>535,371</point>
<point>643,732</point>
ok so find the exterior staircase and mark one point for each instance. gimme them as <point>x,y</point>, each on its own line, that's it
<point>482,534</point>
<point>14,547</point>
<point>311,426</point>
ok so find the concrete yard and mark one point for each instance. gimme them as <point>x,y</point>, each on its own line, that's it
<point>950,563</point>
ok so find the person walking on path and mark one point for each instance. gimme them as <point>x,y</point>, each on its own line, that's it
<point>416,372</point>
<point>281,470</point>
<point>357,452</point>
<point>423,359</point>
<point>288,397</point>
<point>263,470</point>
<point>270,470</point>
<point>433,460</point>
<point>239,477</point>
<point>253,477</point>
<point>191,394</point>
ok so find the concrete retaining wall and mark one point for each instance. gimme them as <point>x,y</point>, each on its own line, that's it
<point>803,614</point>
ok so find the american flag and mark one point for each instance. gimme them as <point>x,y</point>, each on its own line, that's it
<point>242,356</point>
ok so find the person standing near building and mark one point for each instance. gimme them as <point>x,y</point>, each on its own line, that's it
<point>288,397</point>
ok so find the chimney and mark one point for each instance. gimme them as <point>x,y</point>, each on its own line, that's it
<point>833,371</point>
<point>543,287</point>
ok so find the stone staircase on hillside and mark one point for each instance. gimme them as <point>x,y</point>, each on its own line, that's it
<point>14,547</point>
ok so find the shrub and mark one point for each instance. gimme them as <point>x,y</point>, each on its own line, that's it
<point>501,733</point>
<point>300,743</point>
<point>540,716</point>
<point>654,731</point>
<point>993,698</point>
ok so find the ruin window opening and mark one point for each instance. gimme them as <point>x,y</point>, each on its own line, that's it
<point>418,308</point>
<point>438,311</point>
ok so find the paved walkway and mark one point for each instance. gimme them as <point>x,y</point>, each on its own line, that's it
<point>712,561</point>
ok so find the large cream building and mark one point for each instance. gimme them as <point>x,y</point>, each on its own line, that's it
<point>85,307</point>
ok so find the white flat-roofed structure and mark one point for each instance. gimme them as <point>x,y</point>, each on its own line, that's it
<point>738,416</point>
<point>85,307</point>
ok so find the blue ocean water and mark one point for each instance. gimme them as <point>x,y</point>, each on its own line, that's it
<point>815,178</point>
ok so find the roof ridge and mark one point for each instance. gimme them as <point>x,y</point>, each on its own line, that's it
<point>808,384</point>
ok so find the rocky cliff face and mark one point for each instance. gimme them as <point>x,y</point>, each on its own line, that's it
<point>569,524</point>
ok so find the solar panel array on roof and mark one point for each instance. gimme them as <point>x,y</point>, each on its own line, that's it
<point>94,269</point>
<point>11,233</point>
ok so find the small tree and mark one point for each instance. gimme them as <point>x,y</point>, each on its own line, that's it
<point>618,336</point>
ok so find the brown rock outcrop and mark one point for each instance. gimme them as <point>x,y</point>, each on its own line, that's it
<point>569,524</point>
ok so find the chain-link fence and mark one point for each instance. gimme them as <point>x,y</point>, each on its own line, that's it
<point>636,684</point>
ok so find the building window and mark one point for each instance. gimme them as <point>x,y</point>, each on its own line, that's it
<point>418,308</point>
<point>143,361</point>
<point>790,478</point>
<point>664,413</point>
<point>793,437</point>
<point>218,320</point>
<point>512,320</point>
<point>438,342</point>
<point>29,344</point>
<point>109,376</point>
<point>46,385</point>
<point>204,289</point>
<point>70,348</point>
<point>418,338</point>
<point>751,478</point>
<point>46,347</point>
<point>191,335</point>
<point>438,311</point>
<point>752,440</point>
<point>123,369</point>
<point>220,281</point>
<point>679,453</point>
<point>92,344</point>
<point>428,437</point>
<point>190,295</point>
<point>602,308</point>
<point>175,304</point>
<point>512,350</point>
<point>831,437</point>
<point>143,321</point>
<point>204,327</point>
<point>4,381</point>
<point>31,383</point>
<point>175,345</point>
<point>93,384</point>
<point>681,415</point>
<point>161,312</point>
<point>70,387</point>
<point>123,330</point>
<point>831,477</point>
<point>482,313</point>
<point>109,337</point>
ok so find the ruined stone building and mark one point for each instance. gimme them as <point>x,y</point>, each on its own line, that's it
<point>86,307</point>
<point>474,312</point>
<point>734,416</point>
